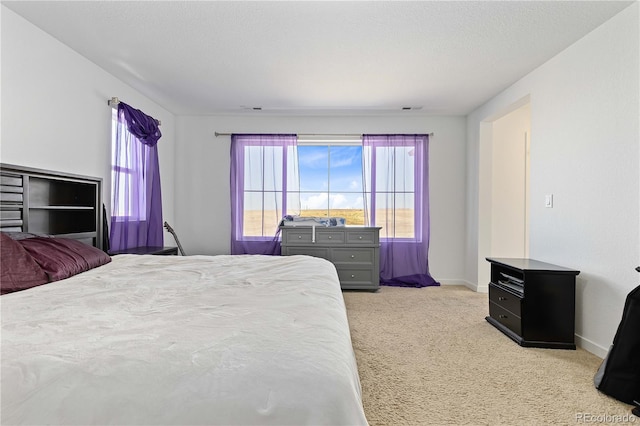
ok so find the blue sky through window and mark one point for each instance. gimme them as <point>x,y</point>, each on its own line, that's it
<point>330,177</point>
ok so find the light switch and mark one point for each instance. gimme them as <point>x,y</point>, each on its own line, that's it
<point>548,200</point>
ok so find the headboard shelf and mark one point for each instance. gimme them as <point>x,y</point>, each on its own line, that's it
<point>49,202</point>
<point>61,207</point>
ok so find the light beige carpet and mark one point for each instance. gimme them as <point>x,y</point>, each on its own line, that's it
<point>428,357</point>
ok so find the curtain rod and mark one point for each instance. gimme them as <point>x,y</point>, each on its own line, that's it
<point>316,134</point>
<point>113,103</point>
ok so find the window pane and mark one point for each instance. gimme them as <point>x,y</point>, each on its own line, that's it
<point>272,158</point>
<point>384,169</point>
<point>263,168</point>
<point>253,168</point>
<point>368,213</point>
<point>252,214</point>
<point>404,215</point>
<point>314,203</point>
<point>345,200</point>
<point>345,168</point>
<point>347,205</point>
<point>396,214</point>
<point>293,203</point>
<point>384,214</point>
<point>293,177</point>
<point>313,162</point>
<point>262,213</point>
<point>404,168</point>
<point>272,213</point>
<point>395,168</point>
<point>122,206</point>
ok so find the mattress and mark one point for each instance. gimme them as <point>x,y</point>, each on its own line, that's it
<point>225,340</point>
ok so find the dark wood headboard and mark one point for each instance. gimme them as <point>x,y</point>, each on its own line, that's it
<point>49,202</point>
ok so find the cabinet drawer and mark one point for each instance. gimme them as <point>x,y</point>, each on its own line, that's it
<point>350,275</point>
<point>505,299</point>
<point>353,255</point>
<point>308,251</point>
<point>361,237</point>
<point>506,318</point>
<point>329,237</point>
<point>297,236</point>
<point>306,236</point>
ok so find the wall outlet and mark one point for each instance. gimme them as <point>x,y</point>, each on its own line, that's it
<point>548,200</point>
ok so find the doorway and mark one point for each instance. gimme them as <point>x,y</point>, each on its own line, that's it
<point>503,221</point>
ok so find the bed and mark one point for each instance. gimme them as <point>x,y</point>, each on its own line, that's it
<point>128,339</point>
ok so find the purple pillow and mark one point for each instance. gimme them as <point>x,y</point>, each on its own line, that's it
<point>63,257</point>
<point>18,270</point>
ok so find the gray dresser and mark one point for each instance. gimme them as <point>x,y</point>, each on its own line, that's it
<point>354,250</point>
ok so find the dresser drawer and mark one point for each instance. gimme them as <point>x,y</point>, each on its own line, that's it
<point>297,236</point>
<point>351,275</point>
<point>506,318</point>
<point>353,255</point>
<point>363,236</point>
<point>307,236</point>
<point>329,237</point>
<point>322,252</point>
<point>505,299</point>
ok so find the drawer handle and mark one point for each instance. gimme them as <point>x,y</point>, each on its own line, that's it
<point>330,237</point>
<point>353,256</point>
<point>502,298</point>
<point>503,316</point>
<point>353,276</point>
<point>299,237</point>
<point>360,237</point>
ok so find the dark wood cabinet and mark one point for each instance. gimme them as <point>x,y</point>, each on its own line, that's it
<point>52,203</point>
<point>533,302</point>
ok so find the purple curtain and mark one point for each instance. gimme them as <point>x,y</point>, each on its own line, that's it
<point>136,208</point>
<point>396,170</point>
<point>262,168</point>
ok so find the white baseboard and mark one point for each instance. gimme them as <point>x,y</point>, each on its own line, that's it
<point>590,346</point>
<point>470,286</point>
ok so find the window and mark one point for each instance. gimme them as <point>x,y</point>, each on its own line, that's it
<point>263,167</point>
<point>372,182</point>
<point>381,180</point>
<point>391,189</point>
<point>298,178</point>
<point>331,181</point>
<point>266,171</point>
<point>126,158</point>
<point>136,196</point>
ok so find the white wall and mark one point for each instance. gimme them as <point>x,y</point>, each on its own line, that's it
<point>55,114</point>
<point>203,219</point>
<point>509,184</point>
<point>585,151</point>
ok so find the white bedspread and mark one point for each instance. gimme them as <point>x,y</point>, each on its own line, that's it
<point>182,340</point>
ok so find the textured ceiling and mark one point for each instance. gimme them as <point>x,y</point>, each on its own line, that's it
<point>318,57</point>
